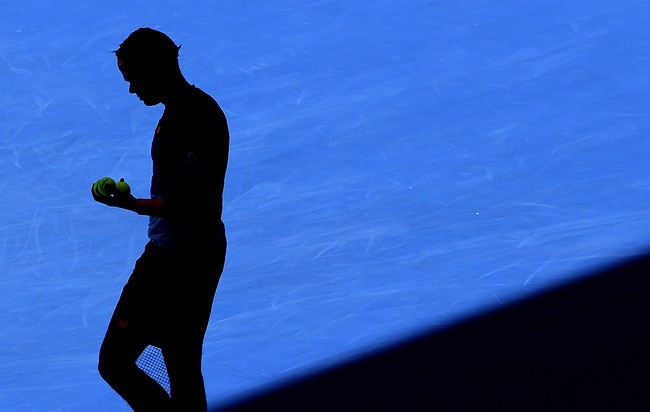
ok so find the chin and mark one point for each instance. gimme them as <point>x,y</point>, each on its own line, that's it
<point>150,102</point>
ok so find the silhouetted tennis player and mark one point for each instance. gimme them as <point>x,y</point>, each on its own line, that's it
<point>168,297</point>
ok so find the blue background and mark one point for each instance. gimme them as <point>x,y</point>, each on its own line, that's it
<point>395,167</point>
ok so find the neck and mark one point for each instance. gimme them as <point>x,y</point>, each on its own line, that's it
<point>177,88</point>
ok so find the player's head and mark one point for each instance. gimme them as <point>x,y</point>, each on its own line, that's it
<point>148,59</point>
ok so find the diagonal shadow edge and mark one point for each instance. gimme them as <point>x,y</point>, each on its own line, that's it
<point>583,345</point>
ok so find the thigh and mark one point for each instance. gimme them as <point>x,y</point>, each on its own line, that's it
<point>121,346</point>
<point>192,289</point>
<point>126,336</point>
<point>136,311</point>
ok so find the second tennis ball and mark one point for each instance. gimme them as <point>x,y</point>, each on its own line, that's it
<point>122,187</point>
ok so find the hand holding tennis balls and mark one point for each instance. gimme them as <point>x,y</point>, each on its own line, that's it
<point>110,193</point>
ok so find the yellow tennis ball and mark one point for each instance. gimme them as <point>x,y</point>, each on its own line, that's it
<point>105,186</point>
<point>122,187</point>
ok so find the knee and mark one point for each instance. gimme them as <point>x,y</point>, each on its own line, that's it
<point>110,367</point>
<point>106,368</point>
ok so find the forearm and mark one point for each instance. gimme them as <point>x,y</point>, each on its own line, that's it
<point>148,207</point>
<point>159,207</point>
<point>167,207</point>
<point>171,207</point>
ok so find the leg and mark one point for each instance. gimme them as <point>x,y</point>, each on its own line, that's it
<point>126,338</point>
<point>188,323</point>
<point>117,357</point>
<point>183,361</point>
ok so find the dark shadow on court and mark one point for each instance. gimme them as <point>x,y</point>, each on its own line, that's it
<point>584,346</point>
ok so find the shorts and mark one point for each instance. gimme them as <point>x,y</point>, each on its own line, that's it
<point>170,293</point>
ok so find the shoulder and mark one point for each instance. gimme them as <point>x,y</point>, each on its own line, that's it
<point>195,107</point>
<point>203,109</point>
<point>201,99</point>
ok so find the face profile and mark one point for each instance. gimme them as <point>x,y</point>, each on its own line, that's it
<point>148,61</point>
<point>146,88</point>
